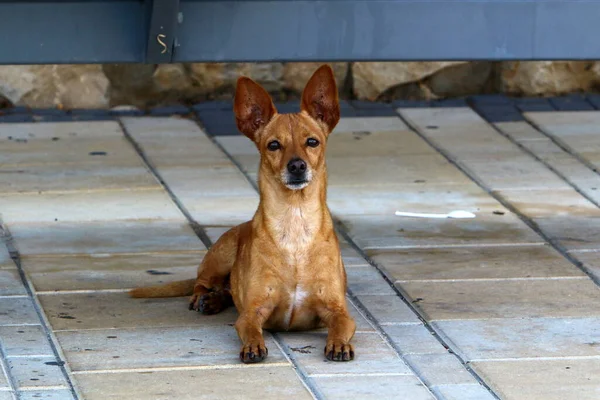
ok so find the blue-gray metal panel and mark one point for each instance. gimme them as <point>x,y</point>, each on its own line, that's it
<point>341,30</point>
<point>72,32</point>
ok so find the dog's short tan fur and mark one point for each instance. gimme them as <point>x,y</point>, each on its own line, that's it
<point>283,269</point>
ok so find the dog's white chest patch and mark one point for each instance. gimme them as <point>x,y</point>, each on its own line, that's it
<point>297,298</point>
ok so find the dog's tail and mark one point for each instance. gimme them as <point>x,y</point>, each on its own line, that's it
<point>173,289</point>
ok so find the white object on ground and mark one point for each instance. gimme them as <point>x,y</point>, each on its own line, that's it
<point>457,214</point>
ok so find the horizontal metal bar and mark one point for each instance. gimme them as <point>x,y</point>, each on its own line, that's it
<point>41,32</point>
<point>72,32</point>
<point>392,30</point>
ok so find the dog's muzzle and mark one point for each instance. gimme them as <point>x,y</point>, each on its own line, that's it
<point>297,175</point>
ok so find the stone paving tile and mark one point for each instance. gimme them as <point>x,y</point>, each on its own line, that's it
<point>367,280</point>
<point>550,203</point>
<point>590,261</point>
<point>568,379</point>
<point>521,172</point>
<point>473,263</point>
<point>572,232</point>
<point>99,142</point>
<point>220,210</point>
<point>388,309</point>
<point>24,341</point>
<point>439,369</point>
<point>236,383</point>
<point>424,197</point>
<point>405,170</point>
<point>504,299</point>
<point>373,124</point>
<point>105,237</point>
<point>89,207</point>
<point>372,354</point>
<point>109,271</point>
<point>459,130</point>
<point>118,310</point>
<point>10,283</point>
<point>222,182</point>
<point>522,338</point>
<point>371,232</point>
<point>463,391</point>
<point>521,131</point>
<point>46,395</point>
<point>4,386</point>
<point>144,347</point>
<point>5,261</point>
<point>414,339</point>
<point>32,372</point>
<point>6,395</point>
<point>17,311</point>
<point>571,168</point>
<point>191,186</point>
<point>377,387</point>
<point>383,144</point>
<point>83,177</point>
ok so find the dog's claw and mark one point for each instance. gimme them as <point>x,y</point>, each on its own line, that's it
<point>339,352</point>
<point>253,353</point>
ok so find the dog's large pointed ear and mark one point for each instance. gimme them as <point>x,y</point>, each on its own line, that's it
<point>320,97</point>
<point>253,107</point>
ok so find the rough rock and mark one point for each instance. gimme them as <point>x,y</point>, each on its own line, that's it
<point>221,78</point>
<point>371,79</point>
<point>71,86</point>
<point>547,78</point>
<point>295,75</point>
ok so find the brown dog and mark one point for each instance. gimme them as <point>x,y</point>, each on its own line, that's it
<point>283,269</point>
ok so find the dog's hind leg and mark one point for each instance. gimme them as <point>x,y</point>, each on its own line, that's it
<point>212,292</point>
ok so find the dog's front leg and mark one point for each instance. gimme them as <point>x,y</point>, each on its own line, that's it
<point>341,328</point>
<point>249,326</point>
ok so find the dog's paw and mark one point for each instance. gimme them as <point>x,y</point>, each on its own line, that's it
<point>253,353</point>
<point>339,351</point>
<point>211,302</point>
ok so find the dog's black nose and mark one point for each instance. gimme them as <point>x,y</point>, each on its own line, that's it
<point>296,167</point>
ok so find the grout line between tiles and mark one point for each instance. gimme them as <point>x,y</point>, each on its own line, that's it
<point>36,388</point>
<point>82,291</point>
<point>527,279</point>
<point>108,255</point>
<point>359,374</point>
<point>559,358</point>
<point>365,313</point>
<point>181,368</point>
<point>57,353</point>
<point>455,246</point>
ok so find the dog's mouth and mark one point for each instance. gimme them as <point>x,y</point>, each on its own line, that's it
<point>296,182</point>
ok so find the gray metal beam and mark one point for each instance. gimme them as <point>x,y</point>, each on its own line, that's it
<point>36,32</point>
<point>59,32</point>
<point>407,30</point>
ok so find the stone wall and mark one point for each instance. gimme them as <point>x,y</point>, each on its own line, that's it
<point>101,86</point>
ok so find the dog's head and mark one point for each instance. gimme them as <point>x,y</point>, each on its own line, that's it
<point>292,146</point>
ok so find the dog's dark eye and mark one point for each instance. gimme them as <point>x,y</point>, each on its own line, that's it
<point>312,142</point>
<point>274,145</point>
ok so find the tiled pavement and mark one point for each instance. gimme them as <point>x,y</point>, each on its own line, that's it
<point>501,306</point>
